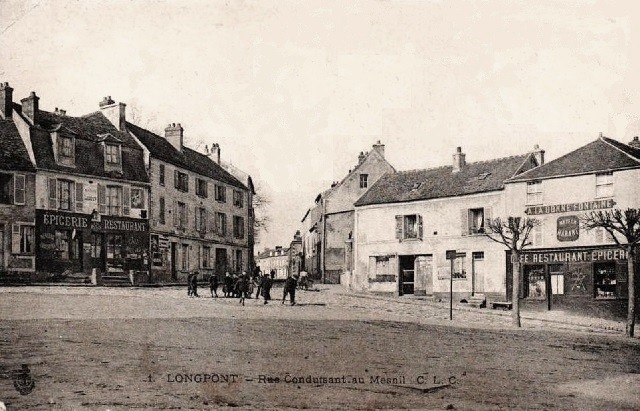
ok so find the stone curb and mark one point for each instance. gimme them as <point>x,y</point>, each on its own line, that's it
<point>609,327</point>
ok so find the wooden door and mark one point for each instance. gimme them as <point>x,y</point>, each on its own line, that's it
<point>478,272</point>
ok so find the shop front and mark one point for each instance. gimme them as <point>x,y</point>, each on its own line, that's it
<point>591,280</point>
<point>78,243</point>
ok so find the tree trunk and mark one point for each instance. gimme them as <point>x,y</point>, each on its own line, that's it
<point>631,310</point>
<point>515,297</point>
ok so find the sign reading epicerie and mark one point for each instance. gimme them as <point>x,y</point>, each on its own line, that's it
<point>106,223</point>
<point>572,256</point>
<point>570,207</point>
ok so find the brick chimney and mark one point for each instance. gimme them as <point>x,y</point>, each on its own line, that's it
<point>379,148</point>
<point>538,154</point>
<point>6,100</point>
<point>114,112</point>
<point>360,158</point>
<point>30,107</point>
<point>458,160</point>
<point>633,143</point>
<point>174,133</point>
<point>214,153</point>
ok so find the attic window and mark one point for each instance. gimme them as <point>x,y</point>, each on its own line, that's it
<point>416,186</point>
<point>112,154</point>
<point>482,176</point>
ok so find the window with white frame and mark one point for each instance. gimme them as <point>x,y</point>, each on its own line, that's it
<point>604,185</point>
<point>476,221</point>
<point>114,200</point>
<point>65,194</point>
<point>534,192</point>
<point>27,235</point>
<point>112,154</point>
<point>364,180</point>
<point>65,147</point>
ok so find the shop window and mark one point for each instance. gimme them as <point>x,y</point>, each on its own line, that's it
<point>605,283</point>
<point>206,256</point>
<point>161,174</point>
<point>364,180</point>
<point>221,224</point>
<point>221,193</point>
<point>604,185</point>
<point>161,210</point>
<point>409,226</point>
<point>96,245</point>
<point>202,188</point>
<point>534,282</point>
<point>238,227</point>
<point>181,181</point>
<point>534,193</point>
<point>67,245</point>
<point>556,275</point>
<point>27,235</point>
<point>6,188</point>
<point>114,246</point>
<point>238,198</point>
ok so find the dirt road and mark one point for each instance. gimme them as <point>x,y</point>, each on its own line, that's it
<point>157,349</point>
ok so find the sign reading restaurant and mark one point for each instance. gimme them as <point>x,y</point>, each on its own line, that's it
<point>571,256</point>
<point>570,207</point>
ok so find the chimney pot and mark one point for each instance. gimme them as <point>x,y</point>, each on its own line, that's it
<point>538,154</point>
<point>175,135</point>
<point>115,113</point>
<point>458,160</point>
<point>6,100</point>
<point>635,142</point>
<point>30,107</point>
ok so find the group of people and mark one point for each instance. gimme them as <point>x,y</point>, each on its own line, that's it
<point>238,286</point>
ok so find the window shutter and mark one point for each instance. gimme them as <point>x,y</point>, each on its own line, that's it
<point>197,219</point>
<point>186,216</point>
<point>53,193</point>
<point>72,196</point>
<point>19,189</point>
<point>399,221</point>
<point>102,199</point>
<point>79,197</point>
<point>176,177</point>
<point>464,221</point>
<point>487,218</point>
<point>15,238</point>
<point>175,213</point>
<point>203,223</point>
<point>393,265</point>
<point>126,200</point>
<point>420,230</point>
<point>186,189</point>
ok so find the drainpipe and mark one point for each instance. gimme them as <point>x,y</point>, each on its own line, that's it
<point>324,239</point>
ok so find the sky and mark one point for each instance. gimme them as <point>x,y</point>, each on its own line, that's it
<point>293,91</point>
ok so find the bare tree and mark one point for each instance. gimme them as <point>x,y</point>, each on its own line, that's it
<point>624,229</point>
<point>261,202</point>
<point>514,234</point>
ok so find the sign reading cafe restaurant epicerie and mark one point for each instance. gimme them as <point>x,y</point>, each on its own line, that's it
<point>571,207</point>
<point>83,221</point>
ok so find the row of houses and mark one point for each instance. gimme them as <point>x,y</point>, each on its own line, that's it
<point>97,196</point>
<point>282,261</point>
<point>397,232</point>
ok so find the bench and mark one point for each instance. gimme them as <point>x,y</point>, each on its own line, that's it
<point>478,301</point>
<point>505,305</point>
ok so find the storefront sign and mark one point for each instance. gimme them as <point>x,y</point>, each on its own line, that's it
<point>83,221</point>
<point>568,228</point>
<point>571,207</point>
<point>572,256</point>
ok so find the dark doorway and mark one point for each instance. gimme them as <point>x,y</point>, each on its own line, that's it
<point>407,274</point>
<point>221,261</point>
<point>174,259</point>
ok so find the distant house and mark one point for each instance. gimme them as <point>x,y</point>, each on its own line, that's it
<point>274,259</point>
<point>566,266</point>
<point>407,221</point>
<point>327,227</point>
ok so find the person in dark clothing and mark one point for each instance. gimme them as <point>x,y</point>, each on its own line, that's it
<point>290,288</point>
<point>257,279</point>
<point>243,287</point>
<point>194,284</point>
<point>266,287</point>
<point>213,285</point>
<point>189,286</point>
<point>228,285</point>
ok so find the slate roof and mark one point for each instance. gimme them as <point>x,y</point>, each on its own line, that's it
<point>603,154</point>
<point>426,184</point>
<point>188,159</point>
<point>13,153</point>
<point>88,131</point>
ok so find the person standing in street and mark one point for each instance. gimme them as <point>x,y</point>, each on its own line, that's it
<point>189,288</point>
<point>266,287</point>
<point>243,286</point>
<point>213,285</point>
<point>258,280</point>
<point>194,284</point>
<point>228,285</point>
<point>290,288</point>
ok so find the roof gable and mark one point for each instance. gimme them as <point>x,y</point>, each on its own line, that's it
<point>441,182</point>
<point>13,153</point>
<point>603,154</point>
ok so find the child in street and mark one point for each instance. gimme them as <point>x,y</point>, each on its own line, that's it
<point>290,288</point>
<point>213,285</point>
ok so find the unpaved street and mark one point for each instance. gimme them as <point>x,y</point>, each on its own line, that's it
<point>96,348</point>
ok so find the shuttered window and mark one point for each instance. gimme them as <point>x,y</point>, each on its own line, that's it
<point>19,189</point>
<point>409,227</point>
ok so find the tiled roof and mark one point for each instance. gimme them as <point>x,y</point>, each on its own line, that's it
<point>188,159</point>
<point>88,131</point>
<point>603,154</point>
<point>13,153</point>
<point>416,185</point>
<point>267,253</point>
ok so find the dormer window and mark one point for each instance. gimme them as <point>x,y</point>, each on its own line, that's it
<point>112,154</point>
<point>66,150</point>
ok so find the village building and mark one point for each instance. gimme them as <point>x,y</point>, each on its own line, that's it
<point>295,254</point>
<point>274,259</point>
<point>566,266</point>
<point>409,220</point>
<point>17,194</point>
<point>201,214</point>
<point>327,227</point>
<point>91,196</point>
